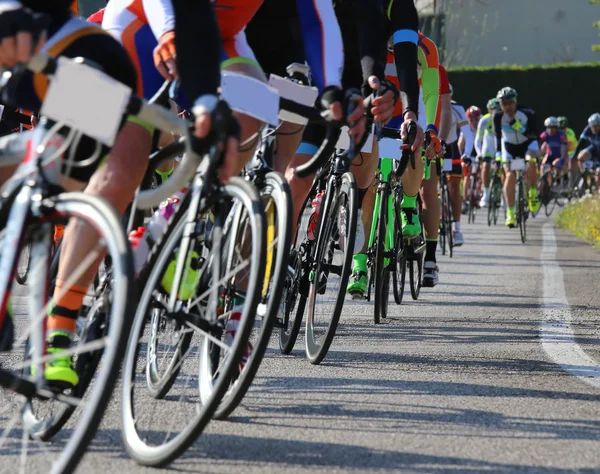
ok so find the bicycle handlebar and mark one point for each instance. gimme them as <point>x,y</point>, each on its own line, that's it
<point>155,115</point>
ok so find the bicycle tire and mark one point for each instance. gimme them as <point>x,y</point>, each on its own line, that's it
<point>382,275</point>
<point>107,224</point>
<point>340,189</point>
<point>443,237</point>
<point>23,264</point>
<point>276,188</point>
<point>449,220</point>
<point>522,216</point>
<point>417,262</point>
<point>211,397</point>
<point>399,273</point>
<point>296,288</point>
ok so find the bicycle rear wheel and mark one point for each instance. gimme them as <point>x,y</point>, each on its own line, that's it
<point>276,196</point>
<point>332,265</point>
<point>448,220</point>
<point>399,270</point>
<point>295,293</point>
<point>43,412</point>
<point>416,260</point>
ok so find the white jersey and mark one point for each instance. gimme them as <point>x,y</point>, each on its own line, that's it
<point>518,130</point>
<point>485,142</point>
<point>459,119</point>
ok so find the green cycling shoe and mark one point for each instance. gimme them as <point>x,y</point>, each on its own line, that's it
<point>359,279</point>
<point>59,371</point>
<point>533,200</point>
<point>411,225</point>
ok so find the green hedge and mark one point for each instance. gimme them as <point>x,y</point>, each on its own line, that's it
<point>559,89</point>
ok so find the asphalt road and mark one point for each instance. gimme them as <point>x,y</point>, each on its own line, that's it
<point>495,370</point>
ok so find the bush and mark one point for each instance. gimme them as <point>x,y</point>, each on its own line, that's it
<point>582,218</point>
<point>557,89</point>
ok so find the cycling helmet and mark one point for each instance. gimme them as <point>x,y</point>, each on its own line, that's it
<point>493,104</point>
<point>506,93</point>
<point>551,122</point>
<point>473,112</point>
<point>594,119</point>
<point>563,122</point>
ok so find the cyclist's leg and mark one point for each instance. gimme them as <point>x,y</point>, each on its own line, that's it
<point>454,180</point>
<point>117,178</point>
<point>510,182</point>
<point>274,57</point>
<point>431,223</point>
<point>532,155</point>
<point>486,178</point>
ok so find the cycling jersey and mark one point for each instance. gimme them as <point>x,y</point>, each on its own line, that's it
<point>554,143</point>
<point>322,38</point>
<point>589,142</point>
<point>97,17</point>
<point>520,129</point>
<point>484,140</point>
<point>430,92</point>
<point>572,141</point>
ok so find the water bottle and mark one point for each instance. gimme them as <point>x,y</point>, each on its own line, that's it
<point>314,215</point>
<point>142,239</point>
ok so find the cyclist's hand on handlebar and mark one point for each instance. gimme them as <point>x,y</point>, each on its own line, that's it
<point>383,106</point>
<point>214,117</point>
<point>433,139</point>
<point>164,56</point>
<point>334,100</point>
<point>22,35</point>
<point>420,137</point>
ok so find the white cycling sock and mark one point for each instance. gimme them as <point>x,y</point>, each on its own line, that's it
<point>457,226</point>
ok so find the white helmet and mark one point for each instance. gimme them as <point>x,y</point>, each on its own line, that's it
<point>551,122</point>
<point>594,119</point>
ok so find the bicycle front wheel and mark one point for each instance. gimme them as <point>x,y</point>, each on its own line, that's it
<point>332,265</point>
<point>522,212</point>
<point>224,244</point>
<point>382,272</point>
<point>43,413</point>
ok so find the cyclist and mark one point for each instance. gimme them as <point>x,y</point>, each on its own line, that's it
<point>554,145</point>
<point>123,169</point>
<point>486,147</point>
<point>363,68</point>
<point>516,137</point>
<point>429,188</point>
<point>588,147</point>
<point>429,118</point>
<point>563,124</point>
<point>461,163</point>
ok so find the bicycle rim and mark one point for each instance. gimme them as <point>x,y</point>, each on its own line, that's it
<point>198,400</point>
<point>382,275</point>
<point>276,196</point>
<point>331,267</point>
<point>42,418</point>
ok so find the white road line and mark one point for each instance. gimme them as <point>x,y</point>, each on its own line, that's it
<point>557,336</point>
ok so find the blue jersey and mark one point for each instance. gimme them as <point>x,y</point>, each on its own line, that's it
<point>555,142</point>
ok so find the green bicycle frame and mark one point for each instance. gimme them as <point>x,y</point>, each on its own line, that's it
<point>386,166</point>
